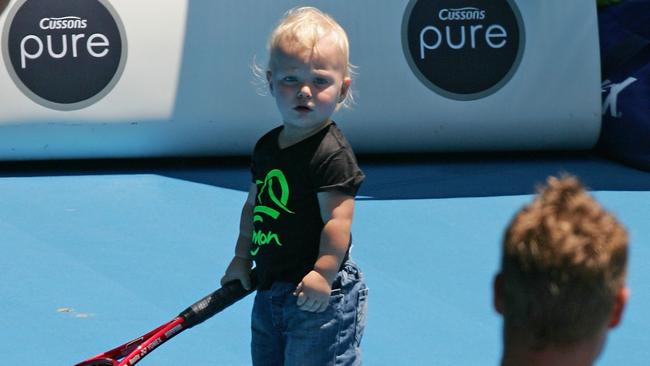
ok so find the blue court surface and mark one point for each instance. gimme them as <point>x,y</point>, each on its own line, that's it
<point>96,253</point>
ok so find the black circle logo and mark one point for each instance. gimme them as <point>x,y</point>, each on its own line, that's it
<point>64,54</point>
<point>463,50</point>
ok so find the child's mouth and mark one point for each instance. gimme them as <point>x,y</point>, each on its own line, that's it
<point>301,108</point>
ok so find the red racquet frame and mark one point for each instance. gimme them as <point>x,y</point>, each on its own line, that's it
<point>135,350</point>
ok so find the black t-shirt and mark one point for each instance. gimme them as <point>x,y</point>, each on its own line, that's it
<point>286,219</point>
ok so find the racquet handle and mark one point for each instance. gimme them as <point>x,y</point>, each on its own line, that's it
<point>220,299</point>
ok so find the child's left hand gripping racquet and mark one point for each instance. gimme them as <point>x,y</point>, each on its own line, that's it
<point>133,351</point>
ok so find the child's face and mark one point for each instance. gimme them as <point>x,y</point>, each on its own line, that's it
<point>307,86</point>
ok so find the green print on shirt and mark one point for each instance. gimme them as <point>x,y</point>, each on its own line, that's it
<point>274,176</point>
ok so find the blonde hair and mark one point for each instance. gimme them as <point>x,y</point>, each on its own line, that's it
<point>564,260</point>
<point>302,28</point>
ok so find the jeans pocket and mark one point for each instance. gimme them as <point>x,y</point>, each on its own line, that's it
<point>362,310</point>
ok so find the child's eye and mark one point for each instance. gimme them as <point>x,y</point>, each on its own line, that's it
<point>289,79</point>
<point>321,81</point>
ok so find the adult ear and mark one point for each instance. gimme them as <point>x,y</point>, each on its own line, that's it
<point>619,305</point>
<point>497,293</point>
<point>269,77</point>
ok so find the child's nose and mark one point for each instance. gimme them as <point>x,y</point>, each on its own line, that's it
<point>304,91</point>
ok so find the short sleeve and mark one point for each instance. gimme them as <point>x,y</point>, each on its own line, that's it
<point>338,171</point>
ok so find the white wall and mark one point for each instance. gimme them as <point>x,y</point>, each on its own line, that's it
<point>187,87</point>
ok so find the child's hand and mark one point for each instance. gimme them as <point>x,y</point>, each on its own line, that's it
<point>238,269</point>
<point>313,293</point>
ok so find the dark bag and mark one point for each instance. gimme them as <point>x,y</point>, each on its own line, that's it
<point>625,57</point>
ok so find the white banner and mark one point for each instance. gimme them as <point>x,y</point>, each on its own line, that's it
<point>99,78</point>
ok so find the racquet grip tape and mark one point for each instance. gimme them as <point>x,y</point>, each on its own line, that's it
<point>215,302</point>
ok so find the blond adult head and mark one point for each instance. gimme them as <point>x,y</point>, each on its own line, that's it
<point>563,268</point>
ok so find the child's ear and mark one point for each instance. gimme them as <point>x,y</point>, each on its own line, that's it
<point>269,77</point>
<point>345,88</point>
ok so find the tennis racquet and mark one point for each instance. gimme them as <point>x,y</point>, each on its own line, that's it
<point>133,351</point>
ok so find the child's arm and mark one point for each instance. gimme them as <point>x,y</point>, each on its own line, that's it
<point>337,210</point>
<point>241,264</point>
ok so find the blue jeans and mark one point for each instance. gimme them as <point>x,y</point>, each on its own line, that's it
<point>285,335</point>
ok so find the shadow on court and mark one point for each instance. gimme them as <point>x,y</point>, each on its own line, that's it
<point>388,177</point>
<point>496,174</point>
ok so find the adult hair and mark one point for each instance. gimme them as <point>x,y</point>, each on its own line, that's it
<point>302,28</point>
<point>564,260</point>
